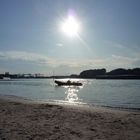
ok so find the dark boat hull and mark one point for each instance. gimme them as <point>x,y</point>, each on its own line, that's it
<point>59,83</point>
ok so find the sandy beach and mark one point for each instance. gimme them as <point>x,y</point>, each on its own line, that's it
<point>40,121</point>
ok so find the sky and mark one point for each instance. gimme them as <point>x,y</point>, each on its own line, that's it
<point>31,40</point>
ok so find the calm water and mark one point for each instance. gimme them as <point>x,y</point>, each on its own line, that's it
<point>114,93</point>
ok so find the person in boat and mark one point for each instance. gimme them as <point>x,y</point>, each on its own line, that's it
<point>69,82</point>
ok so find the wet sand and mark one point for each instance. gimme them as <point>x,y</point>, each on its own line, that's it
<point>41,121</point>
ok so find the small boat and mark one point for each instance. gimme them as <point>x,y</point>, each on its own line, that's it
<point>6,78</point>
<point>67,83</point>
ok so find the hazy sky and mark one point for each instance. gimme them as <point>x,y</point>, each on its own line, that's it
<point>31,40</point>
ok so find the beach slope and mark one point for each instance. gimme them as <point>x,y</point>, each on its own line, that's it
<point>33,121</point>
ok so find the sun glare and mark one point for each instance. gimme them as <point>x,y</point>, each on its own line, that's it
<point>70,26</point>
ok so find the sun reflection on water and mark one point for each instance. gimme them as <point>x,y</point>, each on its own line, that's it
<point>72,94</point>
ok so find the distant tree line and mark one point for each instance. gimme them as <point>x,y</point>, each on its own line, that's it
<point>119,73</point>
<point>92,73</point>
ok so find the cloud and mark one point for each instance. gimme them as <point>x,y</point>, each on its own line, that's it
<point>44,63</point>
<point>114,44</point>
<point>133,48</point>
<point>30,57</point>
<point>44,60</point>
<point>59,45</point>
<point>23,56</point>
<point>124,60</point>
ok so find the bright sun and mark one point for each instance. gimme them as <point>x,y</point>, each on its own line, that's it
<point>70,26</point>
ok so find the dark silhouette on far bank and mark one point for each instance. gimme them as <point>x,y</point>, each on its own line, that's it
<point>119,73</point>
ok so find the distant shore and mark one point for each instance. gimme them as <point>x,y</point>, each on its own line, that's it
<point>31,120</point>
<point>111,77</point>
<point>119,73</point>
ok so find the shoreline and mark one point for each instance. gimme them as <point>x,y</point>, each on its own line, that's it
<point>20,99</point>
<point>26,119</point>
